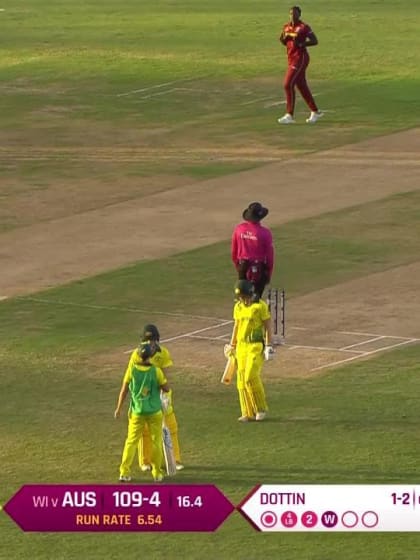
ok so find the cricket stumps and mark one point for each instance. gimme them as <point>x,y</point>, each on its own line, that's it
<point>276,301</point>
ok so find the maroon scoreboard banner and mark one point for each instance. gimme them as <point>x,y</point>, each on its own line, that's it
<point>128,507</point>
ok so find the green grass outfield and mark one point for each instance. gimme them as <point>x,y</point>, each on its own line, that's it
<point>69,73</point>
<point>357,424</point>
<point>66,76</point>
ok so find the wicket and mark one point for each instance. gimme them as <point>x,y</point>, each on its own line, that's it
<point>278,314</point>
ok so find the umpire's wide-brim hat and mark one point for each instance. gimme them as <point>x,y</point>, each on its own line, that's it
<point>255,212</point>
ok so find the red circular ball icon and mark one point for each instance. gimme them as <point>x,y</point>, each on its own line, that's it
<point>309,519</point>
<point>289,519</point>
<point>268,519</point>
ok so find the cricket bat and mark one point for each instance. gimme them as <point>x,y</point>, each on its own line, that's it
<point>230,370</point>
<point>168,452</point>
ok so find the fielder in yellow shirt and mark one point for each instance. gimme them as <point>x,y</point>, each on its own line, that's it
<point>162,359</point>
<point>251,342</point>
<point>144,382</point>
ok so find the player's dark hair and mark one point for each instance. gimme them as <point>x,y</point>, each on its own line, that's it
<point>297,9</point>
<point>150,332</point>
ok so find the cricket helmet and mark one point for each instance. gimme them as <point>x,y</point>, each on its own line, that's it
<point>146,351</point>
<point>150,332</point>
<point>244,288</point>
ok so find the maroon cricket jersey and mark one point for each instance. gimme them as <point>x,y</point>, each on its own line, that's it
<point>297,33</point>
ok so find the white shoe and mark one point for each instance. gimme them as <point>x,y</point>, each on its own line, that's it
<point>243,419</point>
<point>125,478</point>
<point>287,119</point>
<point>145,468</point>
<point>260,416</point>
<point>179,467</point>
<point>158,478</point>
<point>314,116</point>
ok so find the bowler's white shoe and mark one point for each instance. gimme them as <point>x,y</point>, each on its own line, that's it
<point>287,119</point>
<point>179,467</point>
<point>260,416</point>
<point>314,116</point>
<point>243,419</point>
<point>145,468</point>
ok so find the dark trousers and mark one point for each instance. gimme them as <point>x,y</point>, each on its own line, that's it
<point>255,272</point>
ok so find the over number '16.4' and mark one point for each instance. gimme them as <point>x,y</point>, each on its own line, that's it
<point>187,501</point>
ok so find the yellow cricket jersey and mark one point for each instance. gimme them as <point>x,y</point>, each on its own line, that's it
<point>250,320</point>
<point>161,359</point>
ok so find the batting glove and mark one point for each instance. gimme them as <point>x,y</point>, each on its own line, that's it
<point>268,353</point>
<point>228,350</point>
<point>165,399</point>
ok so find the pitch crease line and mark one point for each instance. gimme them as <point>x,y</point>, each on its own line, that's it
<point>357,333</point>
<point>189,334</point>
<point>199,337</point>
<point>289,347</point>
<point>198,331</point>
<point>156,93</point>
<point>268,98</point>
<point>363,342</point>
<point>331,364</point>
<point>115,308</point>
<point>133,91</point>
<point>323,348</point>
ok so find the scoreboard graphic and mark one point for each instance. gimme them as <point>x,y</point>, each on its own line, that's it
<point>203,507</point>
<point>333,508</point>
<point>127,507</point>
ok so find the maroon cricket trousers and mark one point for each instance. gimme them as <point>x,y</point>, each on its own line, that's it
<point>296,78</point>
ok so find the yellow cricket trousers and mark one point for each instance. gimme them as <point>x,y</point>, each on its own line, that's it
<point>136,427</point>
<point>250,359</point>
<point>145,443</point>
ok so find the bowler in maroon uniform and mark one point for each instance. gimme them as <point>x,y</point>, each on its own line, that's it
<point>297,36</point>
